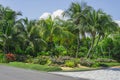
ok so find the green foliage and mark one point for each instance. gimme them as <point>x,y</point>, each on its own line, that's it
<point>21,57</point>
<point>2,58</point>
<point>86,62</point>
<point>41,60</point>
<point>60,50</point>
<point>105,60</point>
<point>60,38</point>
<point>69,63</point>
<point>83,51</point>
<point>60,60</point>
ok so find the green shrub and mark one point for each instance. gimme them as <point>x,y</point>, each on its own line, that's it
<point>76,61</point>
<point>29,59</point>
<point>105,60</point>
<point>60,60</point>
<point>69,63</point>
<point>57,61</point>
<point>41,60</point>
<point>21,58</point>
<point>86,62</point>
<point>96,64</point>
<point>2,58</point>
<point>43,53</point>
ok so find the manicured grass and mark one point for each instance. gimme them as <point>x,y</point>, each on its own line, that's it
<point>34,66</point>
<point>54,68</point>
<point>111,64</point>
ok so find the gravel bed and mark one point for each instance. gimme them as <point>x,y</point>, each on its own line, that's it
<point>103,74</point>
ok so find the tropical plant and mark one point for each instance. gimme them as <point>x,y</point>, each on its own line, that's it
<point>76,13</point>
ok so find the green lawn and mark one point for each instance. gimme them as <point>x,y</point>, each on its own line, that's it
<point>54,68</point>
<point>34,66</point>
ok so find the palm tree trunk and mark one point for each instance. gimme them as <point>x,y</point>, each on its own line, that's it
<point>91,47</point>
<point>78,43</point>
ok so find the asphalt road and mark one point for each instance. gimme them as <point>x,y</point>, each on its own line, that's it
<point>12,73</point>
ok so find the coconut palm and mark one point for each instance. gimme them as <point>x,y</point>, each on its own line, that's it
<point>52,31</point>
<point>99,24</point>
<point>8,20</point>
<point>77,13</point>
<point>31,41</point>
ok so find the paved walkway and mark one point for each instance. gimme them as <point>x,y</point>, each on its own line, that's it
<point>103,74</point>
<point>12,73</point>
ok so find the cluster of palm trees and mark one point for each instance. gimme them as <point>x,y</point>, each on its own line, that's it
<point>23,36</point>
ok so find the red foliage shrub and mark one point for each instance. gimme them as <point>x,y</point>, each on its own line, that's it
<point>10,57</point>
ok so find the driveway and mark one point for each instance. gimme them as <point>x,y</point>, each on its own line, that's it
<point>102,74</point>
<point>12,73</point>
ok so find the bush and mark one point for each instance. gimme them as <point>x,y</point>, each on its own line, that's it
<point>41,60</point>
<point>10,57</point>
<point>96,64</point>
<point>86,62</point>
<point>105,60</point>
<point>60,60</point>
<point>2,58</point>
<point>57,61</point>
<point>76,61</point>
<point>21,58</point>
<point>29,59</point>
<point>69,63</point>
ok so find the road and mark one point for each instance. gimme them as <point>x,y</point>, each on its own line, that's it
<point>12,73</point>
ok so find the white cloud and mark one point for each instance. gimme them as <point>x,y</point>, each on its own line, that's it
<point>55,14</point>
<point>45,15</point>
<point>118,22</point>
<point>58,13</point>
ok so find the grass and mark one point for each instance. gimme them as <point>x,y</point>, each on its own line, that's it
<point>34,66</point>
<point>111,64</point>
<point>54,68</point>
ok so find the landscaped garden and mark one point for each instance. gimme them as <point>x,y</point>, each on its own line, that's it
<point>85,39</point>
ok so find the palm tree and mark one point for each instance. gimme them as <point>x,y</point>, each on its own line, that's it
<point>52,31</point>
<point>31,41</point>
<point>99,24</point>
<point>77,13</point>
<point>8,20</point>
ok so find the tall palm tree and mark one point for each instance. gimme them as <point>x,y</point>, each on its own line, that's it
<point>77,13</point>
<point>99,24</point>
<point>8,20</point>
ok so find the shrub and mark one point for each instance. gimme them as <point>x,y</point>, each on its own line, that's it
<point>60,60</point>
<point>10,57</point>
<point>2,58</point>
<point>57,61</point>
<point>69,63</point>
<point>29,59</point>
<point>21,58</point>
<point>105,60</point>
<point>41,60</point>
<point>86,62</point>
<point>96,64</point>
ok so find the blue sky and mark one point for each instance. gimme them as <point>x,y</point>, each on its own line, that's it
<point>33,9</point>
